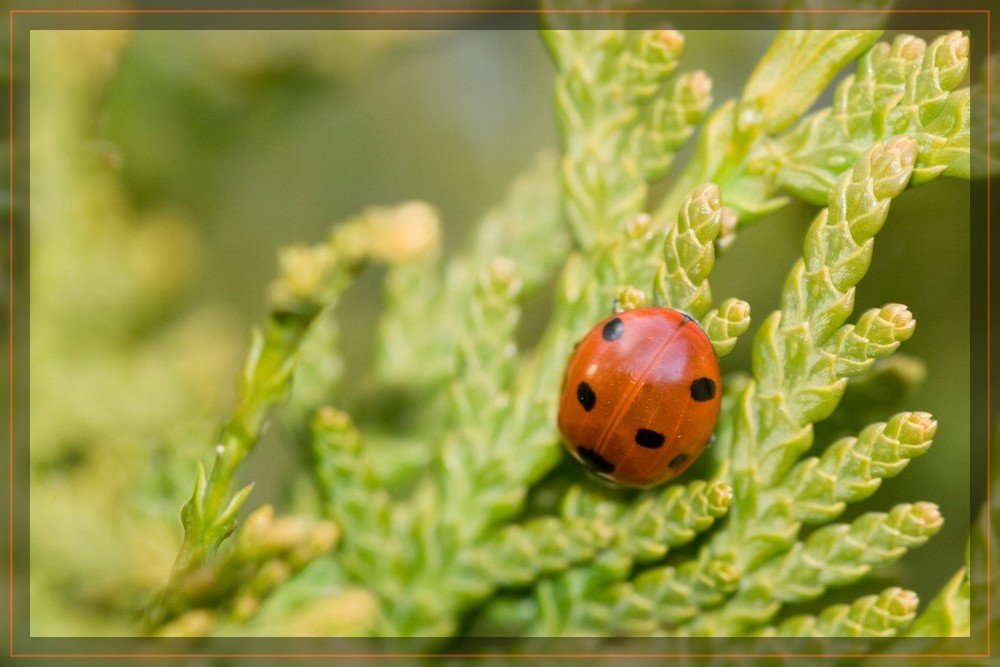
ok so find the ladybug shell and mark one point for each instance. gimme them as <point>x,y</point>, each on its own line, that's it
<point>641,396</point>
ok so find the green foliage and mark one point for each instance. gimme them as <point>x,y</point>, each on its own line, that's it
<point>266,553</point>
<point>628,110</point>
<point>901,88</point>
<point>460,539</point>
<point>311,280</point>
<point>881,615</point>
<point>601,600</point>
<point>446,509</point>
<point>751,149</point>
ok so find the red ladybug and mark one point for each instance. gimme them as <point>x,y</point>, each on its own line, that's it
<point>641,396</point>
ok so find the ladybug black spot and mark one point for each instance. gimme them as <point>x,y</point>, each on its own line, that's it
<point>677,460</point>
<point>595,461</point>
<point>649,439</point>
<point>613,330</point>
<point>586,396</point>
<point>703,389</point>
<point>686,318</point>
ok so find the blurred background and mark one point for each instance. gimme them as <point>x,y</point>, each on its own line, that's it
<point>168,168</point>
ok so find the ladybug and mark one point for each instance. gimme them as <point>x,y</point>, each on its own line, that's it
<point>640,396</point>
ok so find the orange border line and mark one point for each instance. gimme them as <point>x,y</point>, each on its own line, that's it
<point>10,337</point>
<point>314,656</point>
<point>11,14</point>
<point>989,366</point>
<point>499,11</point>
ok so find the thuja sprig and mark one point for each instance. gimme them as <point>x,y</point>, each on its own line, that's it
<point>901,88</point>
<point>615,108</point>
<point>517,554</point>
<point>725,324</point>
<point>476,484</point>
<point>310,281</point>
<point>800,365</point>
<point>596,600</point>
<point>689,256</point>
<point>796,69</point>
<point>672,596</point>
<point>681,279</point>
<point>833,556</point>
<point>817,489</point>
<point>750,148</point>
<point>354,497</point>
<point>882,615</point>
<point>266,552</point>
<point>597,597</point>
<point>661,596</point>
<point>785,83</point>
<point>417,565</point>
<point>646,529</point>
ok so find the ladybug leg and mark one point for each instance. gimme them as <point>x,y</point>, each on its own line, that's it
<point>594,461</point>
<point>605,480</point>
